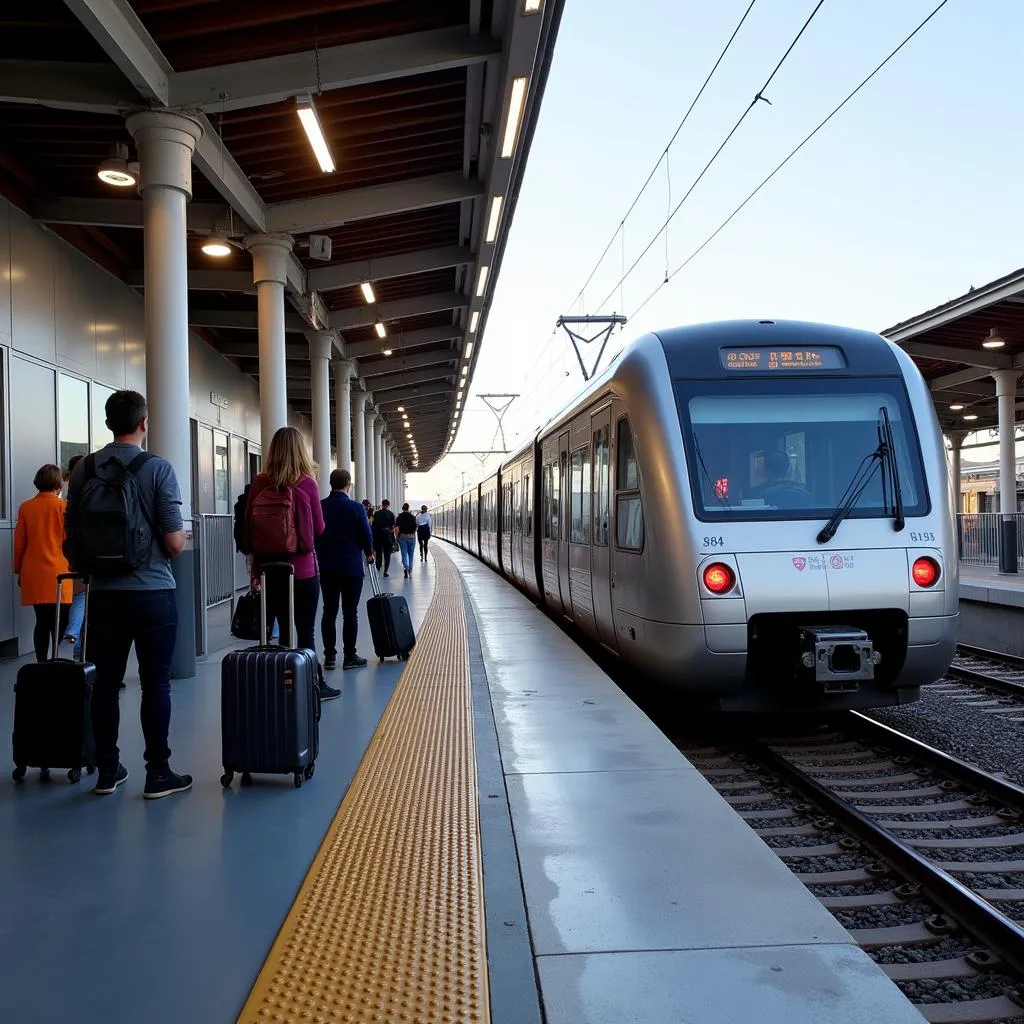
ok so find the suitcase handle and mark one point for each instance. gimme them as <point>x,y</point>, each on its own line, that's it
<point>289,570</point>
<point>374,579</point>
<point>61,577</point>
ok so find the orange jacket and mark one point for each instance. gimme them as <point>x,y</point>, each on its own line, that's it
<point>38,557</point>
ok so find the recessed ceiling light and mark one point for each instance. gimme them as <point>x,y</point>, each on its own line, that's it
<point>970,416</point>
<point>532,6</point>
<point>401,408</point>
<point>387,351</point>
<point>955,408</point>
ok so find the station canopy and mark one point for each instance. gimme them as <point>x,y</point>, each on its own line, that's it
<point>428,108</point>
<point>959,344</point>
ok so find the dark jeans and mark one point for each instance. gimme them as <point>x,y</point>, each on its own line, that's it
<point>423,534</point>
<point>42,635</point>
<point>117,619</point>
<point>382,545</point>
<point>343,590</point>
<point>307,598</point>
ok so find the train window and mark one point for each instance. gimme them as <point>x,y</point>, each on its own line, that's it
<point>629,522</point>
<point>627,473</point>
<point>528,501</point>
<point>516,514</point>
<point>579,526</point>
<point>556,501</point>
<point>792,449</point>
<point>601,472</point>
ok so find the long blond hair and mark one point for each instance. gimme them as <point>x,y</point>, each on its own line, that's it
<point>287,460</point>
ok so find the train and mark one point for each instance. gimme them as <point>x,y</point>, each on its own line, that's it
<point>755,515</point>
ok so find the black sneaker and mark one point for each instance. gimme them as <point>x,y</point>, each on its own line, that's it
<point>328,692</point>
<point>386,575</point>
<point>354,662</point>
<point>330,663</point>
<point>107,782</point>
<point>406,571</point>
<point>165,783</point>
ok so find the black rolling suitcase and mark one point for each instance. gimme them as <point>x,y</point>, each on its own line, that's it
<point>270,703</point>
<point>390,622</point>
<point>53,710</point>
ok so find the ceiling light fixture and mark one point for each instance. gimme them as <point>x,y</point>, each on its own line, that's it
<point>469,351</point>
<point>481,281</point>
<point>216,245</point>
<point>314,132</point>
<point>956,408</point>
<point>515,113</point>
<point>380,329</point>
<point>473,321</point>
<point>993,340</point>
<point>492,224</point>
<point>116,170</point>
<point>970,416</point>
<point>401,408</point>
<point>367,288</point>
<point>387,351</point>
<point>532,6</point>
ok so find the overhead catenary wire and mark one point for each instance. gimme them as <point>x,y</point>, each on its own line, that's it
<point>759,96</point>
<point>664,152</point>
<point>792,153</point>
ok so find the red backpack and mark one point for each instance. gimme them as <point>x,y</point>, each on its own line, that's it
<point>272,527</point>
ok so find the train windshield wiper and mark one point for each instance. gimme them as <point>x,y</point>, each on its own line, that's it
<point>883,456</point>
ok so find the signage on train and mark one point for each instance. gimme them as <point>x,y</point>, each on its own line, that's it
<point>809,357</point>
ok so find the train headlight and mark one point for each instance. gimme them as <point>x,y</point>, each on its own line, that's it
<point>719,578</point>
<point>925,572</point>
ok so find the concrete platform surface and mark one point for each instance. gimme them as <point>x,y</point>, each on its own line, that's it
<point>648,899</point>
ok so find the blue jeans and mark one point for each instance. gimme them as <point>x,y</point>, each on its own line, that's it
<point>407,545</point>
<point>76,619</point>
<point>117,619</point>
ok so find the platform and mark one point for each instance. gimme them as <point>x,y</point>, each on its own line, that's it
<point>992,609</point>
<point>616,884</point>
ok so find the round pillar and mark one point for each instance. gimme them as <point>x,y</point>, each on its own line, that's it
<point>378,458</point>
<point>269,273</point>
<point>165,143</point>
<point>361,480</point>
<point>321,343</point>
<point>1006,394</point>
<point>343,369</point>
<point>370,418</point>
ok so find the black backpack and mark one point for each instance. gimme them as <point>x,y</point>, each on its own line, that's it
<point>113,531</point>
<point>241,533</point>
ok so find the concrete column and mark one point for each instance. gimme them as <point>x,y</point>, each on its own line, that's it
<point>359,445</point>
<point>378,456</point>
<point>1006,393</point>
<point>321,344</point>
<point>165,143</point>
<point>956,443</point>
<point>343,411</point>
<point>269,272</point>
<point>370,418</point>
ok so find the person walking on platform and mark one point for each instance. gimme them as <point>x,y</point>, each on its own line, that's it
<point>384,535</point>
<point>283,518</point>
<point>39,558</point>
<point>342,548</point>
<point>76,616</point>
<point>423,523</point>
<point>406,523</point>
<point>123,525</point>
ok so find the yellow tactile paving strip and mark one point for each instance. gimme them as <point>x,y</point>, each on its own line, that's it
<point>389,923</point>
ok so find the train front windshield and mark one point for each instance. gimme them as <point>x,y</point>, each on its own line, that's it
<point>789,449</point>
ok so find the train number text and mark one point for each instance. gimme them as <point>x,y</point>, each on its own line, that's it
<point>714,542</point>
<point>923,537</point>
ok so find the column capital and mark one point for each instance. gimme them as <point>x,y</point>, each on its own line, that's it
<point>344,369</point>
<point>321,344</point>
<point>165,141</point>
<point>379,427</point>
<point>957,438</point>
<point>359,401</point>
<point>269,256</point>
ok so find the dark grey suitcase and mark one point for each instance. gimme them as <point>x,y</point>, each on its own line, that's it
<point>270,704</point>
<point>53,710</point>
<point>390,622</point>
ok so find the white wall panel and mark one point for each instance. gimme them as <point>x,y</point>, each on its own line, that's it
<point>5,273</point>
<point>33,319</point>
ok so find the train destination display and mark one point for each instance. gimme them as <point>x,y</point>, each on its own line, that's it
<point>814,357</point>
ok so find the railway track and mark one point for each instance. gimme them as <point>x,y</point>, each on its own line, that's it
<point>989,670</point>
<point>919,854</point>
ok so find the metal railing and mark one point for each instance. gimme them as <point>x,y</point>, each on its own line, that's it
<point>978,538</point>
<point>217,553</point>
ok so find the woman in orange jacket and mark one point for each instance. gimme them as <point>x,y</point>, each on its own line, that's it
<point>38,557</point>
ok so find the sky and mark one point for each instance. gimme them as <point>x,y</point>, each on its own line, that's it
<point>909,197</point>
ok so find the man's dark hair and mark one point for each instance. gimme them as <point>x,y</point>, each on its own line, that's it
<point>74,461</point>
<point>776,464</point>
<point>125,411</point>
<point>385,503</point>
<point>340,479</point>
<point>405,507</point>
<point>48,478</point>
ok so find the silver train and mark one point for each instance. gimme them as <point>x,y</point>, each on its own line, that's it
<point>756,513</point>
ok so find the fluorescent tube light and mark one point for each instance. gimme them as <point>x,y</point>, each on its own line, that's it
<point>473,321</point>
<point>380,329</point>
<point>492,224</point>
<point>481,281</point>
<point>515,113</point>
<point>368,292</point>
<point>469,351</point>
<point>314,132</point>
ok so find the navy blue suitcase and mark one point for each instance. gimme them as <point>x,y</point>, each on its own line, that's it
<point>390,622</point>
<point>53,710</point>
<point>270,704</point>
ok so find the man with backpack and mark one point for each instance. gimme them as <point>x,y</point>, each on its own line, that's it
<point>123,524</point>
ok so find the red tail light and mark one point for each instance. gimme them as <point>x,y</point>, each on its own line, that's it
<point>925,572</point>
<point>719,578</point>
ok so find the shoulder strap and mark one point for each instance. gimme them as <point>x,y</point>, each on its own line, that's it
<point>90,465</point>
<point>133,467</point>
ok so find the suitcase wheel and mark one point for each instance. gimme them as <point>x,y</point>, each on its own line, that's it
<point>74,775</point>
<point>310,768</point>
<point>19,773</point>
<point>44,774</point>
<point>246,779</point>
<point>298,780</point>
<point>226,779</point>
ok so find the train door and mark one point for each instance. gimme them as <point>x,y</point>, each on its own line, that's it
<point>600,507</point>
<point>565,591</point>
<point>517,523</point>
<point>551,517</point>
<point>580,524</point>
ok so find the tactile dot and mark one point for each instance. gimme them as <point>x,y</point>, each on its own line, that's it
<point>388,925</point>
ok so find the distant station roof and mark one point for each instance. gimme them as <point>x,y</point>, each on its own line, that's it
<point>957,346</point>
<point>428,108</point>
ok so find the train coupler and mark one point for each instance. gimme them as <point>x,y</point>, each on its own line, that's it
<point>841,657</point>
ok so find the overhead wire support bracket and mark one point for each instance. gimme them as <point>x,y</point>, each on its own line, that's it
<point>499,405</point>
<point>605,325</point>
